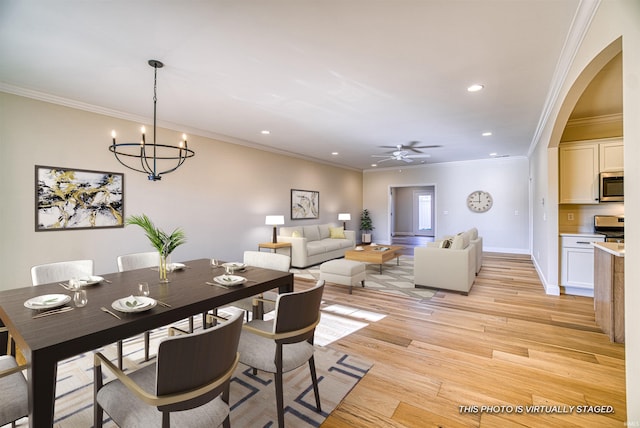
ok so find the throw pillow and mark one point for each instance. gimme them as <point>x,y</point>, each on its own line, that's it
<point>336,232</point>
<point>445,243</point>
<point>296,234</point>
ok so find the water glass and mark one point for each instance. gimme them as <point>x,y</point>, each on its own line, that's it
<point>143,288</point>
<point>214,263</point>
<point>80,298</point>
<point>229,270</point>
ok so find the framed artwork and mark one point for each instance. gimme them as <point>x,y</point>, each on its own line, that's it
<point>305,204</point>
<point>69,198</point>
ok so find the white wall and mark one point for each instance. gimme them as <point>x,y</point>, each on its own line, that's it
<point>507,179</point>
<point>613,19</point>
<point>220,197</point>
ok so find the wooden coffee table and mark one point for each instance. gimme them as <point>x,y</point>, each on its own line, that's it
<point>378,254</point>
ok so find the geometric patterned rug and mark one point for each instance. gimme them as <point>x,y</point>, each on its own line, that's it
<point>252,398</point>
<point>394,279</point>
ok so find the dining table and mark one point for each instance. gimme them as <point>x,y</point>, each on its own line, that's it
<point>44,341</point>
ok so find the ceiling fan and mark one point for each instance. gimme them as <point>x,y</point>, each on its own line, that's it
<point>402,154</point>
<point>411,146</point>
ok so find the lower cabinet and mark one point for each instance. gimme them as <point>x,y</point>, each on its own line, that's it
<point>577,264</point>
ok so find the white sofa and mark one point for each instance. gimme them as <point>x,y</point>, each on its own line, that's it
<point>446,268</point>
<point>313,244</point>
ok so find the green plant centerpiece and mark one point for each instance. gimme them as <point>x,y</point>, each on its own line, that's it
<point>163,242</point>
<point>366,226</point>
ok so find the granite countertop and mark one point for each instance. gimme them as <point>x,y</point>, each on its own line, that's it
<point>610,247</point>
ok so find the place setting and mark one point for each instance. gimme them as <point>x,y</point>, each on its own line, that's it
<point>228,279</point>
<point>49,304</point>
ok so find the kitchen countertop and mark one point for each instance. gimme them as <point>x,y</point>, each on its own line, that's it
<point>610,247</point>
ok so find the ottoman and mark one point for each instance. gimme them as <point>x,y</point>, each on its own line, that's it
<point>344,272</point>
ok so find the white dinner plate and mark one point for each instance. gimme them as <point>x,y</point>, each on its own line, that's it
<point>47,301</point>
<point>175,266</point>
<point>134,304</point>
<point>90,280</point>
<point>229,280</point>
<point>234,265</point>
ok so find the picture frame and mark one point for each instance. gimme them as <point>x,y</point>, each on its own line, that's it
<point>305,204</point>
<point>72,199</point>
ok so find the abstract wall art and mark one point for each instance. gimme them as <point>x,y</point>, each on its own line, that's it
<point>305,204</point>
<point>68,198</point>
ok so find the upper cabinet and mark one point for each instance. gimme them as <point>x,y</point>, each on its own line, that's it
<point>612,156</point>
<point>580,164</point>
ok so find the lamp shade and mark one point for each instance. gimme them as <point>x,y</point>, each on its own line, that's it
<point>344,216</point>
<point>274,220</point>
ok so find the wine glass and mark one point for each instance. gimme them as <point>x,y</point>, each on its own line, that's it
<point>80,298</point>
<point>74,283</point>
<point>143,288</point>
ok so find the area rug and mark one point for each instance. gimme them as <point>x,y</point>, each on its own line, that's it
<point>252,397</point>
<point>394,279</point>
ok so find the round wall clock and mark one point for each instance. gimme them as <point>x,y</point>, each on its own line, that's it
<point>479,201</point>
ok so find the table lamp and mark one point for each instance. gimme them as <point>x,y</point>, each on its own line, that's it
<point>344,217</point>
<point>274,220</point>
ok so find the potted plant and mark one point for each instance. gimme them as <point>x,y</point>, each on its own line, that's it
<point>164,243</point>
<point>366,226</point>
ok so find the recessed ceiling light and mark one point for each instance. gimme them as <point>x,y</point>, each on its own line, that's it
<point>475,87</point>
<point>487,134</point>
<point>334,153</point>
<point>374,165</point>
<point>265,132</point>
<point>493,154</point>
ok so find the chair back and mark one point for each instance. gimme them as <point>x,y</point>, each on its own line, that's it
<point>265,260</point>
<point>298,311</point>
<point>137,261</point>
<point>60,271</point>
<point>195,360</point>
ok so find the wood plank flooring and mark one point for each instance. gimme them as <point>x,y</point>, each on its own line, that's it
<point>507,344</point>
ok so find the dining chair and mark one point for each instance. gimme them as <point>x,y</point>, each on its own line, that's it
<point>60,271</point>
<point>187,386</point>
<point>13,390</point>
<point>275,261</point>
<point>130,262</point>
<point>285,342</point>
<point>137,261</point>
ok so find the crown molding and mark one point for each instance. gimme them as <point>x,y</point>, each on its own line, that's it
<point>595,120</point>
<point>581,22</point>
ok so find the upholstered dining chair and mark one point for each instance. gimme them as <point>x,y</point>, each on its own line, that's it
<point>285,342</point>
<point>130,262</point>
<point>13,390</point>
<point>60,271</point>
<point>187,386</point>
<point>261,259</point>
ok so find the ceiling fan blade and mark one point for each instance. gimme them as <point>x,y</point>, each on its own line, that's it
<point>381,156</point>
<point>384,160</point>
<point>418,156</point>
<point>407,160</point>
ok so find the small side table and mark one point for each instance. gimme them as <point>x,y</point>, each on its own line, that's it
<point>274,246</point>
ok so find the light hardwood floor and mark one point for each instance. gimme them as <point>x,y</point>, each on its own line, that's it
<point>505,344</point>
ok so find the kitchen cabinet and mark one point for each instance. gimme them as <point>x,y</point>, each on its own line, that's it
<point>580,164</point>
<point>576,264</point>
<point>611,156</point>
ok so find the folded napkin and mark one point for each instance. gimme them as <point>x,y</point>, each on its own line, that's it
<point>133,302</point>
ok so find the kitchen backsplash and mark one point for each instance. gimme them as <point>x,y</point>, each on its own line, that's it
<point>583,215</point>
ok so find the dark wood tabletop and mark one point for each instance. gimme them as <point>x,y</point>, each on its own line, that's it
<point>47,340</point>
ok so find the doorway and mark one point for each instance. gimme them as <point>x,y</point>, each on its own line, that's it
<point>413,211</point>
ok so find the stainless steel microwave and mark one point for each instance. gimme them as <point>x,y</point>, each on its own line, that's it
<point>612,186</point>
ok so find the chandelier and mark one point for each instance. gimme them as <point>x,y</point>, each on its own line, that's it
<point>151,157</point>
